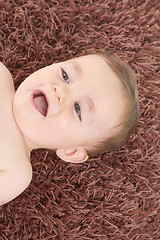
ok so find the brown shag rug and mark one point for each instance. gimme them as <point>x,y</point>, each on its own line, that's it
<point>111,196</point>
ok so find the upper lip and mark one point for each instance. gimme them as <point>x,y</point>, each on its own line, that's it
<point>40,102</point>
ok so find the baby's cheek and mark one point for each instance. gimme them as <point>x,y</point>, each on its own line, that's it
<point>65,123</point>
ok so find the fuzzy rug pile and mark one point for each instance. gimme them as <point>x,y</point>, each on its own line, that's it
<point>113,196</point>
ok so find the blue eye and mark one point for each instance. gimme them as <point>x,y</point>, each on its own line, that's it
<point>77,110</point>
<point>65,76</point>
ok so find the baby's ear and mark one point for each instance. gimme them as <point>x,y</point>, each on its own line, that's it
<point>75,155</point>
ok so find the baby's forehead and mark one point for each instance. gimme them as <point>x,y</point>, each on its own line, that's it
<point>83,57</point>
<point>97,73</point>
<point>93,64</point>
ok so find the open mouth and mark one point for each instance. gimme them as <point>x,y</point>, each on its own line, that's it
<point>40,102</point>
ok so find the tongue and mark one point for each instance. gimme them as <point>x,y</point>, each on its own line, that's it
<point>41,104</point>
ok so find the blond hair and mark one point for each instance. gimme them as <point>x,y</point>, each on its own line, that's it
<point>131,114</point>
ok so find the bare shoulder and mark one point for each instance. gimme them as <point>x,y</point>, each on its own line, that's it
<point>14,180</point>
<point>12,146</point>
<point>13,152</point>
<point>4,69</point>
<point>5,74</point>
<point>6,81</point>
<point>21,169</point>
<point>15,166</point>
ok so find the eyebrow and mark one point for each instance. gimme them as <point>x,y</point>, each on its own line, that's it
<point>76,67</point>
<point>90,109</point>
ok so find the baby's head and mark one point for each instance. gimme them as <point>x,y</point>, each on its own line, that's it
<point>130,112</point>
<point>81,106</point>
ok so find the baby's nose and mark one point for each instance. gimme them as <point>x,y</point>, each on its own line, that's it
<point>60,93</point>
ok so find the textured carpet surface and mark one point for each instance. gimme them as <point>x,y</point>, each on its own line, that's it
<point>114,195</point>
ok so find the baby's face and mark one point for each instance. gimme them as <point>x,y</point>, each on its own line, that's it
<point>73,103</point>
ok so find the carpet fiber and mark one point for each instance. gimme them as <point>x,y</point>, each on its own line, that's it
<point>111,196</point>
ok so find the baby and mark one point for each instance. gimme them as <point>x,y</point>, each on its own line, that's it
<point>78,107</point>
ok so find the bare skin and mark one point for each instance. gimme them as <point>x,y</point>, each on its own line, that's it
<point>15,165</point>
<point>59,107</point>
